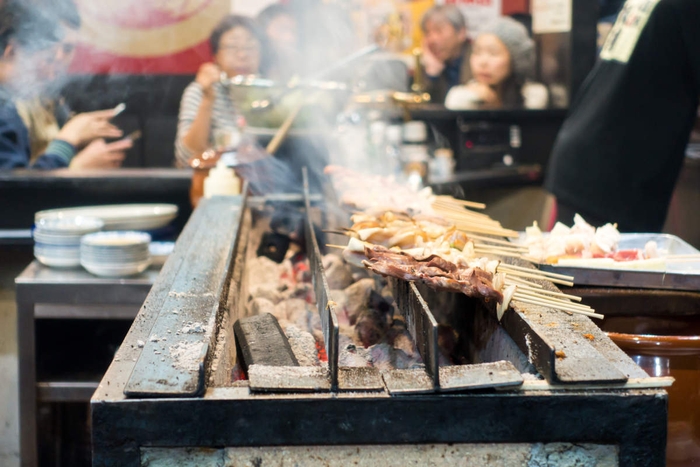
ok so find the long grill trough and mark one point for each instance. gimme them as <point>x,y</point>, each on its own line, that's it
<point>180,389</point>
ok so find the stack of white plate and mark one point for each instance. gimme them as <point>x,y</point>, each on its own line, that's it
<point>115,254</point>
<point>57,241</point>
<point>119,216</point>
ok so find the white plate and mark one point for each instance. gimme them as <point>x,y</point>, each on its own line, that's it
<point>117,240</point>
<point>58,262</point>
<point>117,271</point>
<point>70,226</point>
<point>119,216</point>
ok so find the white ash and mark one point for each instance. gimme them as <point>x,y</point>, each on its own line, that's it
<point>154,338</point>
<point>338,273</point>
<point>192,328</point>
<point>189,294</point>
<point>140,343</point>
<point>303,345</point>
<point>267,291</point>
<point>350,355</point>
<point>385,357</point>
<point>185,355</point>
<point>262,270</point>
<point>260,305</point>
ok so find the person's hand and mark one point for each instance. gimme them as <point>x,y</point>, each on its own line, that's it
<point>88,126</point>
<point>102,155</point>
<point>432,65</point>
<point>486,94</point>
<point>207,75</point>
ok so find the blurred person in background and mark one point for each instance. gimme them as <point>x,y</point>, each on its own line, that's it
<point>279,24</point>
<point>28,41</point>
<point>46,113</point>
<point>446,50</point>
<point>620,150</point>
<point>238,48</point>
<point>502,60</point>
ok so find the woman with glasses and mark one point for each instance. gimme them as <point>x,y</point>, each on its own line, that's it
<point>237,49</point>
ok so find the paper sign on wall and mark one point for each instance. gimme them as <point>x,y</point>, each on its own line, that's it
<point>478,13</point>
<point>549,16</point>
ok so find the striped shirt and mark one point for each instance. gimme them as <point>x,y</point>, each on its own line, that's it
<point>223,117</point>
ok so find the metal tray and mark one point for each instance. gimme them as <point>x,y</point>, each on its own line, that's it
<point>678,276</point>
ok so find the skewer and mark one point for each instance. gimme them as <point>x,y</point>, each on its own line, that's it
<point>463,202</point>
<point>496,248</point>
<point>341,247</point>
<point>521,282</point>
<point>538,271</point>
<point>534,301</point>
<point>534,276</point>
<point>498,241</point>
<point>505,254</point>
<point>537,295</point>
<point>543,291</point>
<point>459,210</point>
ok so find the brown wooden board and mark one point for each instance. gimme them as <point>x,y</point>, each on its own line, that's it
<point>172,363</point>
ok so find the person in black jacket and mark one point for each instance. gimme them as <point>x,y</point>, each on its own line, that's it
<point>28,39</point>
<point>620,150</point>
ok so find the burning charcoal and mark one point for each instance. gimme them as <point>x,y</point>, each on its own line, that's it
<point>301,291</point>
<point>266,291</point>
<point>303,345</point>
<point>291,309</point>
<point>338,274</point>
<point>358,273</point>
<point>258,306</point>
<point>357,295</point>
<point>350,355</point>
<point>260,340</point>
<point>274,246</point>
<point>370,329</point>
<point>381,306</point>
<point>447,342</point>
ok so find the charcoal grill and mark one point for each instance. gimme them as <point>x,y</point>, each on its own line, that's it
<point>168,396</point>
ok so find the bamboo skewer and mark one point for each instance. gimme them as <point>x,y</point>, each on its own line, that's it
<point>543,291</point>
<point>553,300</point>
<point>533,276</point>
<point>498,241</point>
<point>450,199</point>
<point>537,271</point>
<point>521,282</point>
<point>557,306</point>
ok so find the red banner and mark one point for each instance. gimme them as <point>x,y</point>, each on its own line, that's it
<point>146,36</point>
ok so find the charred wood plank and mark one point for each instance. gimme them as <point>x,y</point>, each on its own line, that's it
<point>288,378</point>
<point>261,341</point>
<point>172,363</point>
<point>500,374</point>
<point>560,355</point>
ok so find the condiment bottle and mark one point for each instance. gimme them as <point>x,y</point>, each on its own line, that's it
<point>222,181</point>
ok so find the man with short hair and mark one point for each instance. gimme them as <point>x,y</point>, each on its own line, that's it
<point>446,50</point>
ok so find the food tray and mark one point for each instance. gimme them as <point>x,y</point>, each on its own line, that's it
<point>678,276</point>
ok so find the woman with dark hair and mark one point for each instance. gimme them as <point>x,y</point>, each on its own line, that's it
<point>501,62</point>
<point>237,48</point>
<point>279,25</point>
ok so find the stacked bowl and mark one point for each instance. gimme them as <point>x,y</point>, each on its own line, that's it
<point>57,241</point>
<point>115,254</point>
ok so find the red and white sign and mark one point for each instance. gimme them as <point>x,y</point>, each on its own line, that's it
<point>146,36</point>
